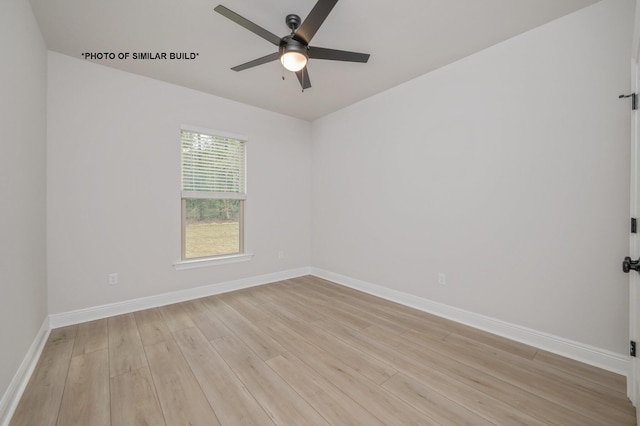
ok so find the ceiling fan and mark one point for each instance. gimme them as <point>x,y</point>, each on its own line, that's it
<point>293,49</point>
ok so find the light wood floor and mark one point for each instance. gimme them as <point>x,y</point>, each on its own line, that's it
<point>307,352</point>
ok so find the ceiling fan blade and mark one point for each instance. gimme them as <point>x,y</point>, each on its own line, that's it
<point>244,22</point>
<point>337,55</point>
<point>256,62</point>
<point>303,78</point>
<point>316,17</point>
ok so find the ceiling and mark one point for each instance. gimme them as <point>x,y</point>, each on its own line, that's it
<point>406,38</point>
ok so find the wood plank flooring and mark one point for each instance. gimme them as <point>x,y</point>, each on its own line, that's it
<point>307,352</point>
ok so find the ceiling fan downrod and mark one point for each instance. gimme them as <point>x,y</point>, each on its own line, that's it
<point>293,22</point>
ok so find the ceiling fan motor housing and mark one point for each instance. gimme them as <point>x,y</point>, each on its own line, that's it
<point>290,44</point>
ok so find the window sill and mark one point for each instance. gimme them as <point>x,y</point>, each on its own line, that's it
<point>212,261</point>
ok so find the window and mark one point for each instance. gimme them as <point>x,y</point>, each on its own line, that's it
<point>213,194</point>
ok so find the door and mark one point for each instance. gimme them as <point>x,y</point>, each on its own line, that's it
<point>633,381</point>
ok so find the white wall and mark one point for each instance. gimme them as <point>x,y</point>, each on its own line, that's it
<point>23,291</point>
<point>114,185</point>
<point>507,170</point>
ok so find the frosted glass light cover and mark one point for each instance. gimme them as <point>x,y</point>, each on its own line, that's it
<point>293,61</point>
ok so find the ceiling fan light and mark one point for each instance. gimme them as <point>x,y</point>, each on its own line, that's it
<point>293,61</point>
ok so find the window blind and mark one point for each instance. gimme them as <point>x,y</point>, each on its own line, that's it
<point>212,164</point>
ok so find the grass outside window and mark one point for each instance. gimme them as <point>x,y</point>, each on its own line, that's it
<point>211,228</point>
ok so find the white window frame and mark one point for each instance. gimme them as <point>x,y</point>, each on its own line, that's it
<point>242,255</point>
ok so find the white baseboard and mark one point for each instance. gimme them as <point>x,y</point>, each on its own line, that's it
<point>127,306</point>
<point>611,361</point>
<point>12,396</point>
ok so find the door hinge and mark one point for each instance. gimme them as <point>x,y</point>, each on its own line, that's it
<point>634,225</point>
<point>634,100</point>
<point>632,348</point>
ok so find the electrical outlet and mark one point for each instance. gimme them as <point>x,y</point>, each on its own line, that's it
<point>442,278</point>
<point>280,254</point>
<point>113,279</point>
